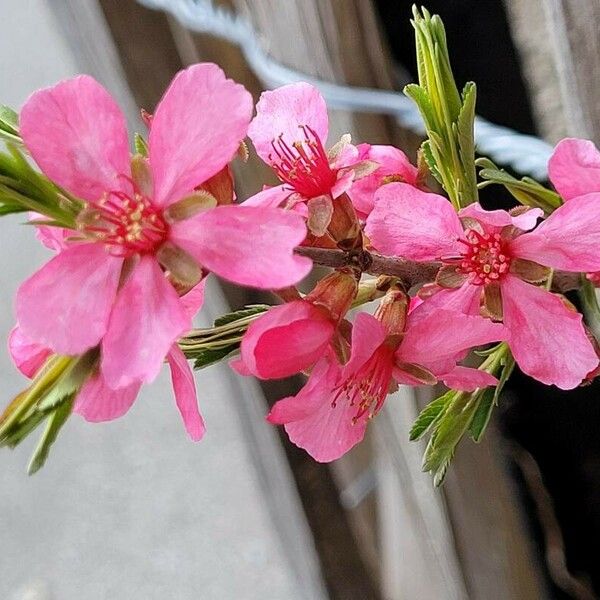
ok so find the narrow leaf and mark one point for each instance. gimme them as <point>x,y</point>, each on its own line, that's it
<point>429,416</point>
<point>248,311</point>
<point>55,423</point>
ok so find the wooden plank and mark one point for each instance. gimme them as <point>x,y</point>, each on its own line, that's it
<point>141,48</point>
<point>339,41</point>
<point>560,49</point>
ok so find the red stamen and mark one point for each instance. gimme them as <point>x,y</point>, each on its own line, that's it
<point>304,166</point>
<point>486,258</point>
<point>126,224</point>
<point>368,387</point>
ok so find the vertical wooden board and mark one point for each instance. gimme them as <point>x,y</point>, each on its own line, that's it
<point>560,49</point>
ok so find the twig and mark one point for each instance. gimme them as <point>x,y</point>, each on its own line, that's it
<point>410,272</point>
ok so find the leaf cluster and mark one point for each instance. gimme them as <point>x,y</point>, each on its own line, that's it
<point>449,115</point>
<point>448,418</point>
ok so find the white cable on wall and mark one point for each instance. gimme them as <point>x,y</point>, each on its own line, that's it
<point>526,154</point>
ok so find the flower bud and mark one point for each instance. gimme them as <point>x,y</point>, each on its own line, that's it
<point>335,292</point>
<point>393,310</point>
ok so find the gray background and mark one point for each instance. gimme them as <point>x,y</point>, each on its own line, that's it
<point>129,509</point>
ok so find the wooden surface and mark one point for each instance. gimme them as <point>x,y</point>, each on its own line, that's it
<point>560,48</point>
<point>469,535</point>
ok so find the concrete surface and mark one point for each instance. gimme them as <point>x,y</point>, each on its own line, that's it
<point>130,509</point>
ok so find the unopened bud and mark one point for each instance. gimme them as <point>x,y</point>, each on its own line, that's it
<point>335,292</point>
<point>393,310</point>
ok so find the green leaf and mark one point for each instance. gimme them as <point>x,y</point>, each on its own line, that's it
<point>69,383</point>
<point>208,357</point>
<point>482,414</point>
<point>9,120</point>
<point>447,435</point>
<point>466,142</point>
<point>526,190</point>
<point>490,396</point>
<point>140,144</point>
<point>419,96</point>
<point>429,416</point>
<point>248,311</point>
<point>53,426</point>
<point>430,160</point>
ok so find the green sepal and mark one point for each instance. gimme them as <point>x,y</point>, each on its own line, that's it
<point>140,144</point>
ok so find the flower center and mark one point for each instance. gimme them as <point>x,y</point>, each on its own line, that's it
<point>126,224</point>
<point>368,387</point>
<point>485,259</point>
<point>304,166</point>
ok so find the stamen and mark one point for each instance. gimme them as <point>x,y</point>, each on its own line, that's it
<point>368,387</point>
<point>485,258</point>
<point>126,224</point>
<point>304,166</point>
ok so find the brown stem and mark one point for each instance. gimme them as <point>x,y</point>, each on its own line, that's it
<point>411,273</point>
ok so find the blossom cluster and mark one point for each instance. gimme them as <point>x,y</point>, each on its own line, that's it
<point>128,275</point>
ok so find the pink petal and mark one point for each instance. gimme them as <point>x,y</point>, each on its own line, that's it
<point>270,197</point>
<point>346,157</point>
<point>574,168</point>
<point>412,224</point>
<point>314,422</point>
<point>27,355</point>
<point>547,339</point>
<point>568,239</point>
<point>146,320</point>
<point>501,218</point>
<point>77,135</point>
<point>247,245</point>
<point>368,334</point>
<point>282,112</point>
<point>286,340</point>
<point>391,162</point>
<point>193,301</point>
<point>98,402</point>
<point>184,387</point>
<point>196,130</point>
<point>66,304</point>
<point>53,238</point>
<point>342,184</point>
<point>467,379</point>
<point>465,299</point>
<point>445,335</point>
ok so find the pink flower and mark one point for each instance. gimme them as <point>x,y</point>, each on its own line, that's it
<point>292,337</point>
<point>289,133</point>
<point>286,340</point>
<point>97,401</point>
<point>330,414</point>
<point>574,169</point>
<point>143,236</point>
<point>394,166</point>
<point>491,261</point>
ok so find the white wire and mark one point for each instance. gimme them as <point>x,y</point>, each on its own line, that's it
<point>525,154</point>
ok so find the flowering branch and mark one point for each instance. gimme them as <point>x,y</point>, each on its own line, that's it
<point>136,236</point>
